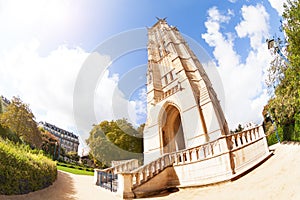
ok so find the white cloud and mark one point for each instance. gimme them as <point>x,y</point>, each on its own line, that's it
<point>24,20</point>
<point>216,39</point>
<point>254,25</point>
<point>104,96</point>
<point>46,83</point>
<point>243,81</point>
<point>278,5</point>
<point>140,106</point>
<point>232,1</point>
<point>111,103</point>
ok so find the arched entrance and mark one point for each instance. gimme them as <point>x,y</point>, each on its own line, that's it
<point>171,130</point>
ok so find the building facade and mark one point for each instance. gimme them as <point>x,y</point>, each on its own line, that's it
<point>68,140</point>
<point>4,102</point>
<point>183,108</point>
<point>186,138</point>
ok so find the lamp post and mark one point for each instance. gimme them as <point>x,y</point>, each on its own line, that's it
<point>54,150</point>
<point>275,127</point>
<point>59,149</point>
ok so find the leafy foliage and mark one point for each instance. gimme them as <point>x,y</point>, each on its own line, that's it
<point>50,143</point>
<point>20,120</point>
<point>285,106</point>
<point>115,140</point>
<point>270,128</point>
<point>75,169</point>
<point>73,155</point>
<point>238,129</point>
<point>23,170</point>
<point>5,133</point>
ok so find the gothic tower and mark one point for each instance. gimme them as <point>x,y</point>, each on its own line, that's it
<point>182,107</point>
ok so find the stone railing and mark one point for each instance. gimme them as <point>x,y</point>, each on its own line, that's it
<point>168,93</point>
<point>124,166</point>
<point>146,172</point>
<point>195,154</point>
<point>246,137</point>
<point>216,151</point>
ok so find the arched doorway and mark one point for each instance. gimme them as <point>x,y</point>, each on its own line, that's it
<point>171,131</point>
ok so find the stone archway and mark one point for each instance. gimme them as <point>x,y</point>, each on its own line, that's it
<point>172,137</point>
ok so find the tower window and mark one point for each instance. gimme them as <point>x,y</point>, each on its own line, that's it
<point>171,76</point>
<point>166,80</point>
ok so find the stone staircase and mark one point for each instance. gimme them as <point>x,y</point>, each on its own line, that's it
<point>220,160</point>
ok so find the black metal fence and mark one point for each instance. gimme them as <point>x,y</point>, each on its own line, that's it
<point>108,181</point>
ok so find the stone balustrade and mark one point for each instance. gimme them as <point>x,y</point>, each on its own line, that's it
<point>230,147</point>
<point>146,172</point>
<point>168,93</point>
<point>124,166</point>
<point>195,154</point>
<point>245,137</point>
<point>198,153</point>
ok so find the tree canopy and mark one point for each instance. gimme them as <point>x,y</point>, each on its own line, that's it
<point>285,106</point>
<point>115,140</point>
<point>50,143</point>
<point>20,120</point>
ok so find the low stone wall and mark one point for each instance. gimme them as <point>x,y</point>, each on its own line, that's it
<point>245,150</point>
<point>249,147</point>
<point>211,170</point>
<point>221,160</point>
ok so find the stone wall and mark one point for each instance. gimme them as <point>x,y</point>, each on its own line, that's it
<point>221,160</point>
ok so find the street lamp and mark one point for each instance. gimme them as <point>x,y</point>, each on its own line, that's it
<point>59,149</point>
<point>275,127</point>
<point>275,45</point>
<point>54,150</point>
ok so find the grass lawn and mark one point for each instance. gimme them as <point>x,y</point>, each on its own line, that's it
<point>75,171</point>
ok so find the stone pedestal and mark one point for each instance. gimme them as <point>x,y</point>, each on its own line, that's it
<point>125,186</point>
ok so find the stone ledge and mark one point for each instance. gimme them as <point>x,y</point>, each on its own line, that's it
<point>252,167</point>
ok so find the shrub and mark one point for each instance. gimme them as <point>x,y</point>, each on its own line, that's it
<point>272,138</point>
<point>75,166</point>
<point>23,170</point>
<point>5,133</point>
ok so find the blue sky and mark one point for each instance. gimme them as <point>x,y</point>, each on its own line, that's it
<point>45,43</point>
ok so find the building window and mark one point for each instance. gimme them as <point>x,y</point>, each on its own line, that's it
<point>166,80</point>
<point>171,76</point>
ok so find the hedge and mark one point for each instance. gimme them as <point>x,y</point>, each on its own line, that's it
<point>75,166</point>
<point>23,170</point>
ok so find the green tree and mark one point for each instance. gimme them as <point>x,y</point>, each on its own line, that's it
<point>115,140</point>
<point>50,143</point>
<point>1,105</point>
<point>73,155</point>
<point>20,120</point>
<point>238,129</point>
<point>285,106</point>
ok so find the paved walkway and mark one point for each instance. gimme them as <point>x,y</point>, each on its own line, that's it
<point>67,187</point>
<point>277,178</point>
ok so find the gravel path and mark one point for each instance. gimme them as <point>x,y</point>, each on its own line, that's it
<point>277,178</point>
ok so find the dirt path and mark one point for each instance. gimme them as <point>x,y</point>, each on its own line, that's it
<point>277,178</point>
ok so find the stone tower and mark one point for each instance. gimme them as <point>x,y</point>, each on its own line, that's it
<point>182,106</point>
